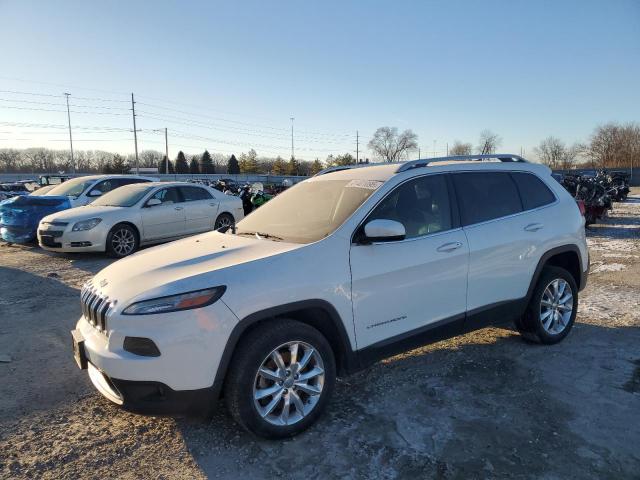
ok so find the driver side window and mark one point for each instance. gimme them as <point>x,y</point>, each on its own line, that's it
<point>421,205</point>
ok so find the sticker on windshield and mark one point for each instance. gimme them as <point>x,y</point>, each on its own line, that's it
<point>368,184</point>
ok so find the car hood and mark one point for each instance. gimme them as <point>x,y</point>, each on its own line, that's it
<point>81,213</point>
<point>194,263</point>
<point>19,216</point>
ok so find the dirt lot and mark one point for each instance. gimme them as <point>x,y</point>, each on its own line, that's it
<point>485,405</point>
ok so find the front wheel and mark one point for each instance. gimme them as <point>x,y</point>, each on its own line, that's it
<point>281,378</point>
<point>552,309</point>
<point>122,240</point>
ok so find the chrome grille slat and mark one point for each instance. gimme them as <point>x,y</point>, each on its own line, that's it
<point>94,307</point>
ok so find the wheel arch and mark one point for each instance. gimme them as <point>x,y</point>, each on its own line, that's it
<point>319,314</point>
<point>567,257</point>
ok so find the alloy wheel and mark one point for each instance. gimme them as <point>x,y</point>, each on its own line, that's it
<point>556,306</point>
<point>123,241</point>
<point>289,383</point>
<point>223,222</point>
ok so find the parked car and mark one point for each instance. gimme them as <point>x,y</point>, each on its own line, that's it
<point>145,213</point>
<point>19,218</point>
<point>9,190</point>
<point>338,271</point>
<point>46,180</point>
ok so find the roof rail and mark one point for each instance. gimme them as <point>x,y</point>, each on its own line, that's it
<point>495,157</point>
<point>341,167</point>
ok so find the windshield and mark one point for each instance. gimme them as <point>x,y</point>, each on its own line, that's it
<point>71,188</point>
<point>126,196</point>
<point>309,211</point>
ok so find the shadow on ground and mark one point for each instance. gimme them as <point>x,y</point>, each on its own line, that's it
<point>486,404</point>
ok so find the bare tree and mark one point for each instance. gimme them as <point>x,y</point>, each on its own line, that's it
<point>460,148</point>
<point>614,145</point>
<point>389,145</point>
<point>551,152</point>
<point>489,142</point>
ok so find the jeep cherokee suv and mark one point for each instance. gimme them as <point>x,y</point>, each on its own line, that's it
<point>335,273</point>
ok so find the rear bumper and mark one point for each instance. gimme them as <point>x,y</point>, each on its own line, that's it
<point>585,274</point>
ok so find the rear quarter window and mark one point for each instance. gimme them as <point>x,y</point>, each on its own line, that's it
<point>484,196</point>
<point>533,192</point>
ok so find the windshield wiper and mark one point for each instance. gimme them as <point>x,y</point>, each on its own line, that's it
<point>260,235</point>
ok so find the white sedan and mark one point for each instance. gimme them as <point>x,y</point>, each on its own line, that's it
<point>121,221</point>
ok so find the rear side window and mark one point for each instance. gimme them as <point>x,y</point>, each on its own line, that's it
<point>191,194</point>
<point>484,196</point>
<point>533,192</point>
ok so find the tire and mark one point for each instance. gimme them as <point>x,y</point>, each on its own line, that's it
<point>224,220</point>
<point>550,314</point>
<point>245,385</point>
<point>122,240</point>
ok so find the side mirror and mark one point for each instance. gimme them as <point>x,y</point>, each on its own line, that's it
<point>153,202</point>
<point>382,230</point>
<point>94,193</point>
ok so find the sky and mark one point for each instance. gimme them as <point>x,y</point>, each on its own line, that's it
<point>228,76</point>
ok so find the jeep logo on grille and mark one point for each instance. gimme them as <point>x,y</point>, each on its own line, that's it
<point>103,283</point>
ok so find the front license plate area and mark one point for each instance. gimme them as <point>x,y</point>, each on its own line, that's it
<point>78,349</point>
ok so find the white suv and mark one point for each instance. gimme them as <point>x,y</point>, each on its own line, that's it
<point>337,272</point>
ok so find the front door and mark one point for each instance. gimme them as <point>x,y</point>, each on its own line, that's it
<point>165,220</point>
<point>402,288</point>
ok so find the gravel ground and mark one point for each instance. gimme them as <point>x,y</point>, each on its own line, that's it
<point>484,405</point>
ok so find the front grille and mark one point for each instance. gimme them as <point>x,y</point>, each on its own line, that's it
<point>56,223</point>
<point>94,307</point>
<point>47,237</point>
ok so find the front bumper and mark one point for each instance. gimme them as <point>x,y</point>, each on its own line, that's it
<point>153,398</point>
<point>180,379</point>
<point>64,240</point>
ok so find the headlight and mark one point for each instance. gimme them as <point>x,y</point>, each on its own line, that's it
<point>174,303</point>
<point>86,224</point>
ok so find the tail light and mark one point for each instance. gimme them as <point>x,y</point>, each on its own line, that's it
<point>581,207</point>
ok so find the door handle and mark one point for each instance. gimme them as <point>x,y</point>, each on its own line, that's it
<point>449,247</point>
<point>534,227</point>
<point>212,204</point>
<point>179,208</point>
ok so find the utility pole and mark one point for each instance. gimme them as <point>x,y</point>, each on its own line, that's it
<point>73,163</point>
<point>434,149</point>
<point>292,154</point>
<point>418,152</point>
<point>357,147</point>
<point>135,133</point>
<point>166,150</point>
<point>447,149</point>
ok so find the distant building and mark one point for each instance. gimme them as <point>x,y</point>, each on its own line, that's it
<point>145,170</point>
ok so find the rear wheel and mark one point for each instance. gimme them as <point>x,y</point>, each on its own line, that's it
<point>280,379</point>
<point>552,309</point>
<point>122,240</point>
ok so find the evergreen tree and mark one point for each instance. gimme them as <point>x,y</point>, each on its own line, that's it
<point>181,163</point>
<point>249,162</point>
<point>293,167</point>
<point>316,166</point>
<point>162,165</point>
<point>279,166</point>
<point>107,168</point>
<point>206,164</point>
<point>233,167</point>
<point>119,164</point>
<point>194,167</point>
<point>172,169</point>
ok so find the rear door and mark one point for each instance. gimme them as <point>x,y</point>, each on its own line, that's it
<point>200,209</point>
<point>165,220</point>
<point>402,288</point>
<point>501,248</point>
